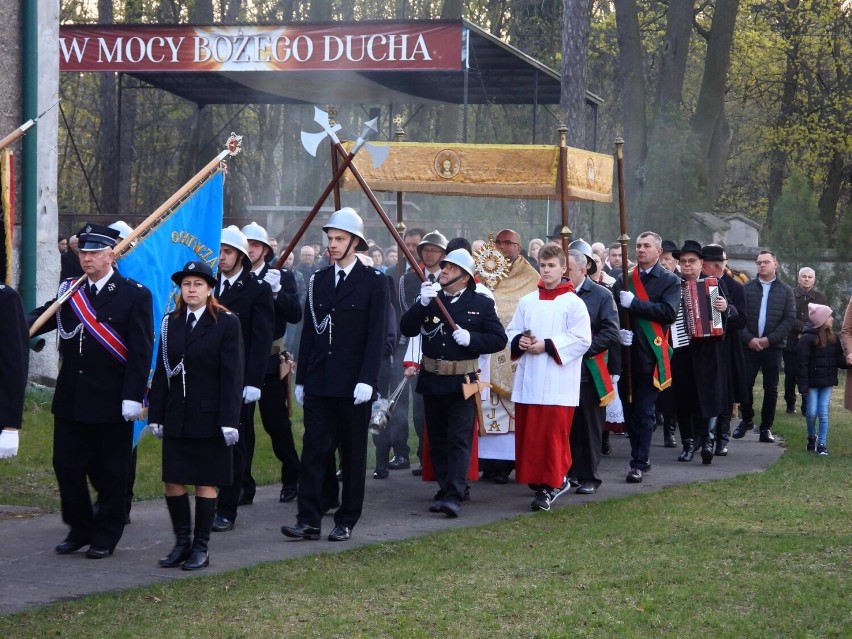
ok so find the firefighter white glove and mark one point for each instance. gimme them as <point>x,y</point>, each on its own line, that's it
<point>250,394</point>
<point>462,337</point>
<point>130,410</point>
<point>273,278</point>
<point>625,336</point>
<point>156,430</point>
<point>362,393</point>
<point>626,298</point>
<point>427,293</point>
<point>8,443</point>
<point>231,435</point>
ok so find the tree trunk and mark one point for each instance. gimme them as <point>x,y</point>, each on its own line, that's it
<point>673,57</point>
<point>830,195</point>
<point>709,119</point>
<point>576,22</point>
<point>633,96</point>
<point>201,12</point>
<point>778,157</point>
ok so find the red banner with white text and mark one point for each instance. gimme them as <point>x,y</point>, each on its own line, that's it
<point>393,46</point>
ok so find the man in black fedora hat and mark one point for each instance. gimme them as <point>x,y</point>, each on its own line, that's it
<point>700,375</point>
<point>106,334</point>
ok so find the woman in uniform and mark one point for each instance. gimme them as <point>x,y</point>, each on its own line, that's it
<point>195,402</point>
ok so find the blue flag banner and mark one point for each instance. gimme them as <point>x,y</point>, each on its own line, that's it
<point>191,232</point>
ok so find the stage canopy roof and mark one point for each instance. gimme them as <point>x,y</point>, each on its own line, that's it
<point>410,62</point>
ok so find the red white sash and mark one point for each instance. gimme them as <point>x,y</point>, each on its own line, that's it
<point>102,332</point>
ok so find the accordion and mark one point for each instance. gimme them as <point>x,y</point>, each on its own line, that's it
<point>696,317</point>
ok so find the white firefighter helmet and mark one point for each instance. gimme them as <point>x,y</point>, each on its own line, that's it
<point>346,219</point>
<point>232,236</point>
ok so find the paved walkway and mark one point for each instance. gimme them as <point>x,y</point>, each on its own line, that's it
<point>395,508</point>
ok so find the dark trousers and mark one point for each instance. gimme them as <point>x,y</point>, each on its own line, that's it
<point>333,423</point>
<point>273,405</point>
<point>450,422</point>
<point>769,363</point>
<point>229,496</point>
<point>99,453</point>
<point>791,365</point>
<point>640,415</point>
<point>586,435</point>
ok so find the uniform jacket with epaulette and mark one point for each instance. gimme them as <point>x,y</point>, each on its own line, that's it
<point>473,312</point>
<point>348,350</point>
<point>92,383</point>
<point>207,395</point>
<point>251,301</point>
<point>287,309</point>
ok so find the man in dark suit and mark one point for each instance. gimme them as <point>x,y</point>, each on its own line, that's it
<point>106,333</point>
<point>14,358</point>
<point>340,353</point>
<point>274,402</point>
<point>715,260</point>
<point>587,425</point>
<point>651,304</point>
<point>249,299</point>
<point>449,357</point>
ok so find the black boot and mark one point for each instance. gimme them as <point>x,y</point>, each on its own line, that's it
<point>205,513</point>
<point>669,434</point>
<point>723,434</point>
<point>182,525</point>
<point>707,448</point>
<point>688,451</point>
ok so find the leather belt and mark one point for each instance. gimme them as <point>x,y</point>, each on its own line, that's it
<point>449,367</point>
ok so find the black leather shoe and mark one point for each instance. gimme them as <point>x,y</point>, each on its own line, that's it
<point>288,493</point>
<point>417,472</point>
<point>586,488</point>
<point>449,508</point>
<point>222,524</point>
<point>721,448</point>
<point>399,463</point>
<point>340,533</point>
<point>634,476</point>
<point>96,552</point>
<point>380,473</point>
<point>245,500</point>
<point>435,507</point>
<point>766,436</point>
<point>301,531</point>
<point>69,545</point>
<point>742,429</point>
<point>688,452</point>
<point>707,451</point>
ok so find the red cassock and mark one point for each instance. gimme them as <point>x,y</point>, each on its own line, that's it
<point>542,448</point>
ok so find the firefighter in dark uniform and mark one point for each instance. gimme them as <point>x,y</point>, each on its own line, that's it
<point>449,358</point>
<point>274,402</point>
<point>238,290</point>
<point>106,335</point>
<point>14,358</point>
<point>339,357</point>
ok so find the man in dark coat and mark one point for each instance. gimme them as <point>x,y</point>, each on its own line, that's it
<point>714,266</point>
<point>14,358</point>
<point>250,299</point>
<point>449,357</point>
<point>700,371</point>
<point>651,305</point>
<point>587,426</point>
<point>805,293</point>
<point>770,313</point>
<point>106,335</point>
<point>341,351</point>
<point>274,402</point>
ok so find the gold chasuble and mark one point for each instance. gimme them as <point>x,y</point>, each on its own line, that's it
<point>521,280</point>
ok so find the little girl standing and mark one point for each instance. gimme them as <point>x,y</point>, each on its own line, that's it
<point>819,356</point>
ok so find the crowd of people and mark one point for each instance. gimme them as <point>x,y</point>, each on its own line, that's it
<point>524,358</point>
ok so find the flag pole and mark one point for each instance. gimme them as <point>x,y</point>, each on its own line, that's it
<point>233,147</point>
<point>21,130</point>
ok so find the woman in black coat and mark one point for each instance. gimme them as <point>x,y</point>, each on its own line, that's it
<point>194,406</point>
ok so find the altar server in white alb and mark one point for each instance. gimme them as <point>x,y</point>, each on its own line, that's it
<point>549,334</point>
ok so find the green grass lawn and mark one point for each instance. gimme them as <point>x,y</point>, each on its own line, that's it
<point>762,555</point>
